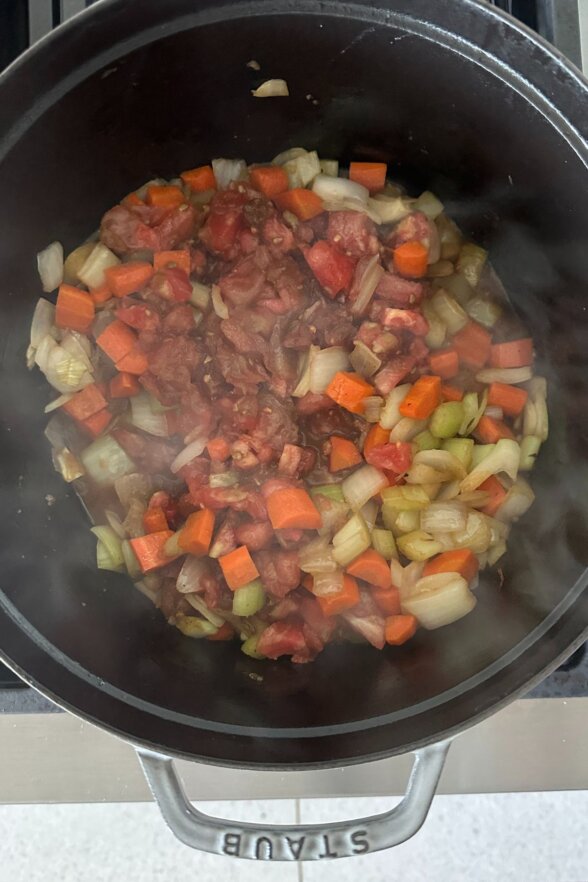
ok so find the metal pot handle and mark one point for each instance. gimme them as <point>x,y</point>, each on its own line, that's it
<point>297,843</point>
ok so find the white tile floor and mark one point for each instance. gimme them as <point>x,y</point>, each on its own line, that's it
<point>540,837</point>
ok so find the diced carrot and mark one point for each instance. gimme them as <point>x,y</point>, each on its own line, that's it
<point>387,600</point>
<point>347,597</point>
<point>371,175</point>
<point>376,437</point>
<point>349,390</point>
<point>238,567</point>
<point>149,550</point>
<point>225,632</point>
<point>411,259</point>
<point>497,495</point>
<point>166,195</point>
<point>303,203</point>
<point>422,399</point>
<point>489,430</point>
<point>343,454</point>
<point>85,403</point>
<point>461,560</point>
<point>101,295</point>
<point>510,398</point>
<point>516,353</point>
<point>371,567</point>
<point>444,363</point>
<point>293,507</point>
<point>399,629</point>
<point>200,179</point>
<point>154,520</point>
<point>126,278</point>
<point>472,345</point>
<point>131,200</point>
<point>180,258</point>
<point>74,309</point>
<point>124,385</point>
<point>196,534</point>
<point>134,362</point>
<point>271,180</point>
<point>451,393</point>
<point>117,340</point>
<point>94,425</point>
<point>219,449</point>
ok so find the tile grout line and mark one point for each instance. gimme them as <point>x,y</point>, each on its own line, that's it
<point>299,864</point>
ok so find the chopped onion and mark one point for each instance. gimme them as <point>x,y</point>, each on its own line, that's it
<point>79,346</point>
<point>351,540</point>
<point>228,170</point>
<point>477,535</point>
<point>193,569</point>
<point>439,600</point>
<point>384,543</point>
<point>450,237</point>
<point>364,483</point>
<point>366,279</point>
<point>50,266</point>
<point>316,557</point>
<point>485,312</point>
<point>471,262</point>
<point>130,559</point>
<point>444,517</point>
<point>69,467</point>
<point>271,89</point>
<point>58,402</point>
<point>504,458</point>
<point>473,411</point>
<point>218,303</point>
<point>530,446</point>
<point>198,604</point>
<point>303,386</point>
<point>495,413</point>
<point>328,583</point>
<point>418,545</point>
<point>429,205</point>
<point>372,407</point>
<point>333,513</point>
<point>62,370</point>
<point>108,552</point>
<point>324,365</point>
<point>42,326</point>
<point>364,361</point>
<point>442,461</point>
<point>406,522</point>
<point>190,452</point>
<point>369,513</point>
<point>405,498</point>
<point>100,259</point>
<point>143,418</point>
<point>512,376</point>
<point>435,337</point>
<point>115,523</point>
<point>105,460</point>
<point>495,552</point>
<point>518,500</point>
<point>406,429</point>
<point>191,626</point>
<point>535,418</point>
<point>329,167</point>
<point>390,209</point>
<point>200,296</point>
<point>301,166</point>
<point>339,189</point>
<point>449,311</point>
<point>391,415</point>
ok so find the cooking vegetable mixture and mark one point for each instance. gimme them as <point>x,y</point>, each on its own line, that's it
<point>295,399</point>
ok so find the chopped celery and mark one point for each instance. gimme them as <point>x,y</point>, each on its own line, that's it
<point>473,409</point>
<point>333,491</point>
<point>426,441</point>
<point>192,626</point>
<point>249,647</point>
<point>447,419</point>
<point>103,559</point>
<point>479,453</point>
<point>249,599</point>
<point>435,337</point>
<point>384,543</point>
<point>407,429</point>
<point>418,545</point>
<point>529,449</point>
<point>405,498</point>
<point>408,521</point>
<point>108,549</point>
<point>471,262</point>
<point>462,449</point>
<point>389,515</point>
<point>351,540</point>
<point>130,558</point>
<point>105,460</point>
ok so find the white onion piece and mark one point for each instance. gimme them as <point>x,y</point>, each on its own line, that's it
<point>79,346</point>
<point>143,418</point>
<point>301,166</point>
<point>351,205</point>
<point>519,499</point>
<point>329,167</point>
<point>495,413</point>
<point>444,517</point>
<point>218,304</point>
<point>512,376</point>
<point>439,600</point>
<point>50,266</point>
<point>324,365</point>
<point>391,415</point>
<point>288,155</point>
<point>535,417</point>
<point>442,461</point>
<point>193,568</point>
<point>63,371</point>
<point>115,523</point>
<point>390,209</point>
<point>316,557</point>
<point>364,361</point>
<point>303,385</point>
<point>228,170</point>
<point>105,460</point>
<point>68,465</point>
<point>366,279</point>
<point>372,408</point>
<point>339,189</point>
<point>449,311</point>
<point>434,244</point>
<point>58,402</point>
<point>477,535</point>
<point>42,325</point>
<point>369,513</point>
<point>201,607</point>
<point>406,429</point>
<point>271,89</point>
<point>429,205</point>
<point>327,583</point>
<point>362,485</point>
<point>190,452</point>
<point>100,259</point>
<point>504,458</point>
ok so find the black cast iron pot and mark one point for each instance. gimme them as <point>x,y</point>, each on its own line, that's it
<point>456,98</point>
